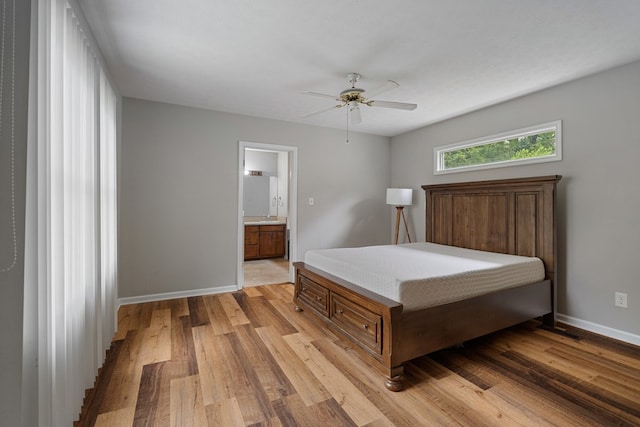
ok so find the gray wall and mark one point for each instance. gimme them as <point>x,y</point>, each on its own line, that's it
<point>179,193</point>
<point>599,200</point>
<point>12,280</point>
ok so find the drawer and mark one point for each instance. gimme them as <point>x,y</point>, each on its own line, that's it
<point>362,324</point>
<point>276,227</point>
<point>315,295</point>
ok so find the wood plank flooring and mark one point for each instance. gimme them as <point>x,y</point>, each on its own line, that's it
<point>248,359</point>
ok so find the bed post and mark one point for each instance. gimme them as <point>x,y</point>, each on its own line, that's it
<point>393,381</point>
<point>551,197</point>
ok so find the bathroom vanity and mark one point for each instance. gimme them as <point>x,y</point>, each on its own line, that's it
<point>264,239</point>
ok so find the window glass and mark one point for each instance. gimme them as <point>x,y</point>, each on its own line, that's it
<point>540,143</point>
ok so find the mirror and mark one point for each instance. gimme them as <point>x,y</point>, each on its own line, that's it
<point>265,189</point>
<point>260,195</point>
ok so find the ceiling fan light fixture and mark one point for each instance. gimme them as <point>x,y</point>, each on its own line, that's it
<point>351,93</point>
<point>352,98</point>
<point>354,112</point>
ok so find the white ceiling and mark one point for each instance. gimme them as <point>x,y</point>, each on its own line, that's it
<point>256,57</point>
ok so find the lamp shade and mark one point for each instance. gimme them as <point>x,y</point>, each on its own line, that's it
<point>399,196</point>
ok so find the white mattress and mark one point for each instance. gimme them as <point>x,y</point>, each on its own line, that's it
<point>421,275</point>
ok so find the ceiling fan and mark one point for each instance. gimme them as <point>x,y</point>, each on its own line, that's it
<point>353,97</point>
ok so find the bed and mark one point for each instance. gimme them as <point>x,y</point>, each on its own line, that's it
<point>514,216</point>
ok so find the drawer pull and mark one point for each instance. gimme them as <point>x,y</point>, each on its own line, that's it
<point>340,311</point>
<point>318,298</point>
<point>365,326</point>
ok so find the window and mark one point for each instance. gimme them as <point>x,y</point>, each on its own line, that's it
<point>75,212</point>
<point>535,144</point>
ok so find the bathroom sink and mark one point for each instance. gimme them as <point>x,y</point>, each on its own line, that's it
<point>264,221</point>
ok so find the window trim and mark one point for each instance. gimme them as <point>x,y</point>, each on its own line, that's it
<point>438,152</point>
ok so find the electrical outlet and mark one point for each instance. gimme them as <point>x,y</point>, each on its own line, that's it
<point>621,299</point>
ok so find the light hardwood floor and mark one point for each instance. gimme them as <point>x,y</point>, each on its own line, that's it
<point>247,358</point>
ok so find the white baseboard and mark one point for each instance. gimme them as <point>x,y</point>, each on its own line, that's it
<point>600,329</point>
<point>174,295</point>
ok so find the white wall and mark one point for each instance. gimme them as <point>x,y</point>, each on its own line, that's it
<point>179,192</point>
<point>283,185</point>
<point>599,200</point>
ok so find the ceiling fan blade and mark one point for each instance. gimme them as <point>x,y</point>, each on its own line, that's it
<point>390,104</point>
<point>320,111</point>
<point>386,87</point>
<point>356,118</point>
<point>322,95</point>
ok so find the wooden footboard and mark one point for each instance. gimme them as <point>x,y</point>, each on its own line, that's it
<point>367,319</point>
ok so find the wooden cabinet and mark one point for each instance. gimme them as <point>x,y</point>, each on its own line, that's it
<point>264,241</point>
<point>251,241</point>
<point>272,239</point>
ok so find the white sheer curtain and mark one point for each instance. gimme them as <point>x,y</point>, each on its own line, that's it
<point>108,216</point>
<point>76,211</point>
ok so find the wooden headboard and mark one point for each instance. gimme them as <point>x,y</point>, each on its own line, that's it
<point>513,216</point>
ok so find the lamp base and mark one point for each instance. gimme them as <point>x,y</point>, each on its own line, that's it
<point>400,213</point>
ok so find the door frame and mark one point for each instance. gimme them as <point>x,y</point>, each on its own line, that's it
<point>292,218</point>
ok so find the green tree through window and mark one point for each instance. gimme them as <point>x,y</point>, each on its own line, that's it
<point>500,150</point>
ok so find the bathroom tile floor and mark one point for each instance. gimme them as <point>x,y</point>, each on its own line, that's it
<point>266,271</point>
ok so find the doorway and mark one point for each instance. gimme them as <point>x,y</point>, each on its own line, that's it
<point>279,208</point>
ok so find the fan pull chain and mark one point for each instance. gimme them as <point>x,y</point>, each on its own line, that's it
<point>347,125</point>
